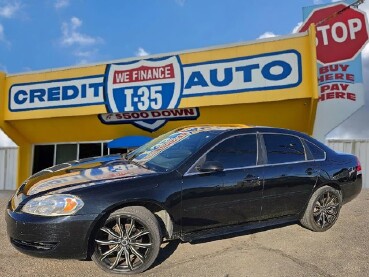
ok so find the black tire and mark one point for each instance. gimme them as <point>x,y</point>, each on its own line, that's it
<point>128,242</point>
<point>322,210</point>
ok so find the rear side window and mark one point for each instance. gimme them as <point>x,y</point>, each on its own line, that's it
<point>235,152</point>
<point>283,148</point>
<point>318,153</point>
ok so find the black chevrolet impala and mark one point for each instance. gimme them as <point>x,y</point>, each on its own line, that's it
<point>191,183</point>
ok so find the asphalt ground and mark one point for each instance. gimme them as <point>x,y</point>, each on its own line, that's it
<point>285,251</point>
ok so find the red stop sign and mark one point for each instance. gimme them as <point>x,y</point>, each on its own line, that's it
<point>339,38</point>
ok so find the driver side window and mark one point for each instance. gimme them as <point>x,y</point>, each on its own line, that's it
<point>235,152</point>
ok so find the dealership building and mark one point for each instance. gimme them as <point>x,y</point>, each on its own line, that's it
<point>59,115</point>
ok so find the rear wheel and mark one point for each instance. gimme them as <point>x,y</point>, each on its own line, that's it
<point>322,210</point>
<point>128,242</point>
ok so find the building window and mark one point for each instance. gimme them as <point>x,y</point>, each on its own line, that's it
<point>45,156</point>
<point>65,153</point>
<point>87,150</point>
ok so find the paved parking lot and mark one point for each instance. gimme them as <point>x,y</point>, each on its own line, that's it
<point>287,251</point>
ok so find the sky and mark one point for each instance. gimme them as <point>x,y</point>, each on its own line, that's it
<point>44,34</point>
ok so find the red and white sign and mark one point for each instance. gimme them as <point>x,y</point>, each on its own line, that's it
<point>336,82</point>
<point>143,73</point>
<point>342,36</point>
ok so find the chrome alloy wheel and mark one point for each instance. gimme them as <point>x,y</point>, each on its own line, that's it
<point>123,244</point>
<point>326,209</point>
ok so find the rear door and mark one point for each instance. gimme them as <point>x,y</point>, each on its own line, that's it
<point>289,176</point>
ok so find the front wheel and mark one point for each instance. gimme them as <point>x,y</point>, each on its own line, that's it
<point>128,242</point>
<point>322,210</point>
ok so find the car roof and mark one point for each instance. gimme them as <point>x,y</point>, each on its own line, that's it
<point>241,128</point>
<point>235,127</point>
<point>216,126</point>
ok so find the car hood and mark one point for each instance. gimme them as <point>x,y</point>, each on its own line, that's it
<point>82,173</point>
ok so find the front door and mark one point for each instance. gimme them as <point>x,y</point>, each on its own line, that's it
<point>226,197</point>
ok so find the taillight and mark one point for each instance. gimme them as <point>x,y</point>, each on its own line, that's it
<point>358,166</point>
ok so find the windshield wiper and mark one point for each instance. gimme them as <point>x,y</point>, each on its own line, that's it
<point>139,164</point>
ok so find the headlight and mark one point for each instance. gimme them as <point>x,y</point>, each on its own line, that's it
<point>53,205</point>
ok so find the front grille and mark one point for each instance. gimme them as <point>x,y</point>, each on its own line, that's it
<point>34,245</point>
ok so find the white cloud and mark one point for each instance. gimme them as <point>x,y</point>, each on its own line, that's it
<point>61,4</point>
<point>317,2</point>
<point>365,52</point>
<point>365,7</point>
<point>267,35</point>
<point>86,56</point>
<point>85,53</point>
<point>75,22</point>
<point>296,28</point>
<point>2,36</point>
<point>2,39</point>
<point>181,2</point>
<point>84,47</point>
<point>141,52</point>
<point>9,9</point>
<point>72,36</point>
<point>336,1</point>
<point>83,61</point>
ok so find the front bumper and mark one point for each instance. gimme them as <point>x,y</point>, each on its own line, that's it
<point>64,237</point>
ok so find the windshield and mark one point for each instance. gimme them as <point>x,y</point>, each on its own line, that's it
<point>168,151</point>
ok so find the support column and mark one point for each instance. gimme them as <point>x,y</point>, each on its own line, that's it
<point>24,146</point>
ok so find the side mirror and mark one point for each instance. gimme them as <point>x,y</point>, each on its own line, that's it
<point>210,166</point>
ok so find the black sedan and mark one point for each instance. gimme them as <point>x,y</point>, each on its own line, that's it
<point>191,183</point>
